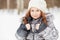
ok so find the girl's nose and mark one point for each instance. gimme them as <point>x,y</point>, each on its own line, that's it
<point>34,13</point>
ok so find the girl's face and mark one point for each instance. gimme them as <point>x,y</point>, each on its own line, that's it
<point>35,13</point>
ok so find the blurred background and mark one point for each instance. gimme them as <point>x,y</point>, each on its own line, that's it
<point>20,5</point>
<point>12,11</point>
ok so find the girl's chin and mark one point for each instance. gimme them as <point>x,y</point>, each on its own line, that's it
<point>35,18</point>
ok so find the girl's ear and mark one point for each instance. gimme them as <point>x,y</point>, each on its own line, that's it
<point>29,19</point>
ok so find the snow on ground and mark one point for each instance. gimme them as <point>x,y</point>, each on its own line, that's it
<point>8,25</point>
<point>10,21</point>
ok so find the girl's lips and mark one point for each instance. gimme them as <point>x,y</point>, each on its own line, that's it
<point>35,16</point>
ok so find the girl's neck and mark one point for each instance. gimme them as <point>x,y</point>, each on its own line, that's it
<point>37,18</point>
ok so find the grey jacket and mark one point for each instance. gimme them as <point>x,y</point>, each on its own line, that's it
<point>44,33</point>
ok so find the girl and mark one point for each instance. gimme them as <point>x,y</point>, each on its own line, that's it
<point>36,25</point>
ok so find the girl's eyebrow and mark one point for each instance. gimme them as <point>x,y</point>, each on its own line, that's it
<point>31,9</point>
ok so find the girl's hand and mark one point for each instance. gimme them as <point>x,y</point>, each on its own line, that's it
<point>28,26</point>
<point>37,26</point>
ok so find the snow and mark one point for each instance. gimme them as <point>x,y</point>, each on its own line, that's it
<point>10,22</point>
<point>8,25</point>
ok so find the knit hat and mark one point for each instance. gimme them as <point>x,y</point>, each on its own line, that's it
<point>40,4</point>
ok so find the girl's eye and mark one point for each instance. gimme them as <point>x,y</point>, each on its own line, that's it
<point>32,10</point>
<point>37,10</point>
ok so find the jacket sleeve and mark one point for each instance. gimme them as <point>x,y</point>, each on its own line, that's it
<point>53,33</point>
<point>21,32</point>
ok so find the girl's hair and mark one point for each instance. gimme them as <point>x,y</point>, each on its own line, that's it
<point>25,18</point>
